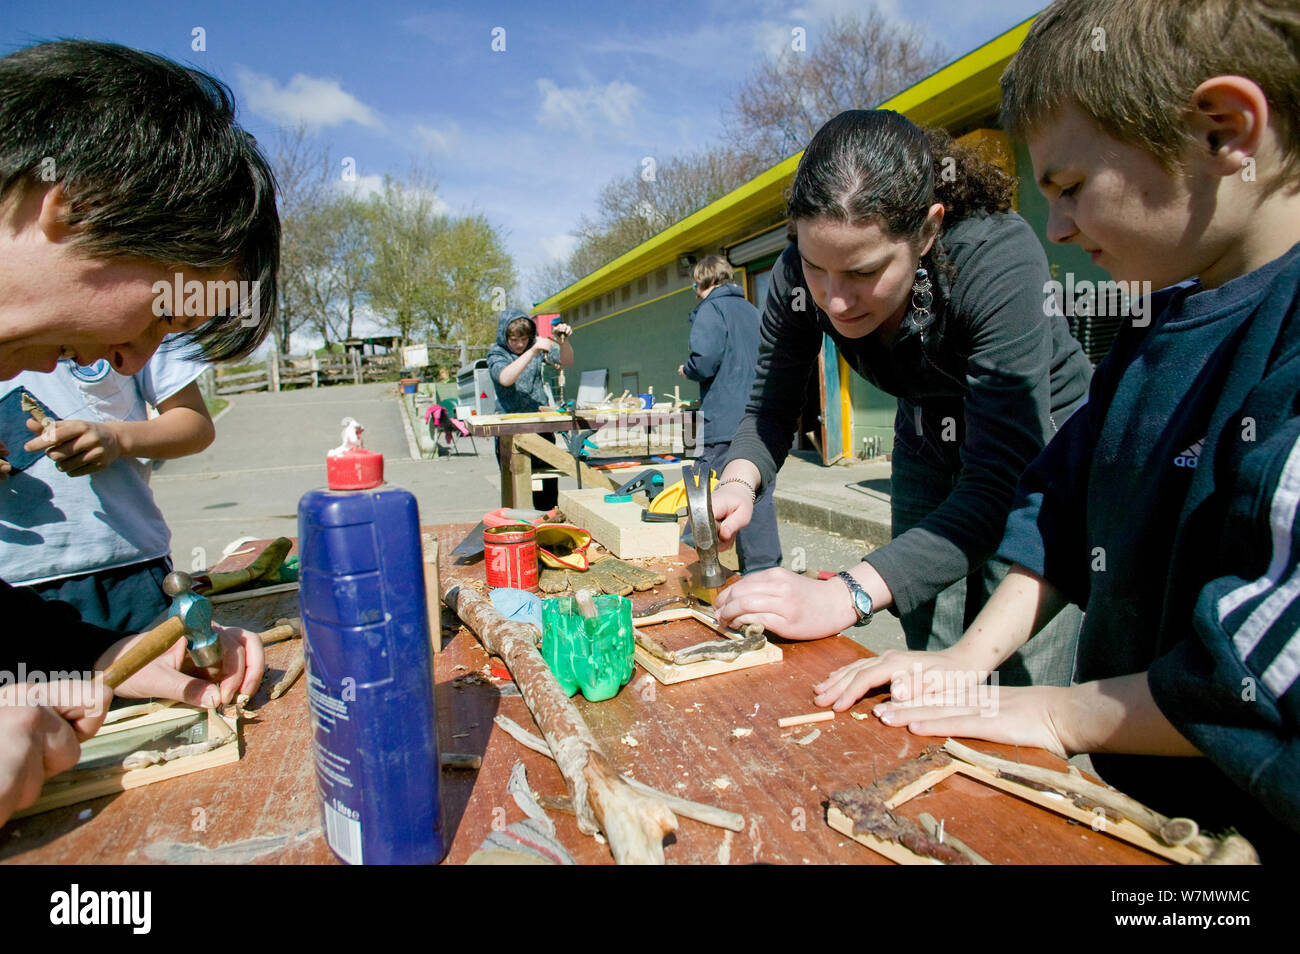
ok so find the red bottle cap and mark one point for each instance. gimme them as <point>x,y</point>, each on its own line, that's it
<point>354,469</point>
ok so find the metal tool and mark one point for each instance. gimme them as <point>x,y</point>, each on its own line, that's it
<point>195,611</point>
<point>191,619</point>
<point>704,529</point>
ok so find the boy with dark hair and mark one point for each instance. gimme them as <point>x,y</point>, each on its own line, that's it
<point>123,176</point>
<point>131,207</point>
<point>1166,506</point>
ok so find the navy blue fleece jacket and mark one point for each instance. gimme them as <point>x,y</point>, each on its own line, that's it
<point>724,353</point>
<point>1166,507</point>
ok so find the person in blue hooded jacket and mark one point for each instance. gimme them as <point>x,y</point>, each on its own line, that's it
<point>724,353</point>
<point>515,361</point>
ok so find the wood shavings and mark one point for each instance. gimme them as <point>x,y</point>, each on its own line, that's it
<point>722,783</point>
<point>741,733</point>
<point>629,741</point>
<point>810,737</point>
<point>860,715</point>
<point>755,712</point>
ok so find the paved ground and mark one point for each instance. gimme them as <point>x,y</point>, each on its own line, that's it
<point>270,450</point>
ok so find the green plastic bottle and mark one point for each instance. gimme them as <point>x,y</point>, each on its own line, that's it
<point>594,654</point>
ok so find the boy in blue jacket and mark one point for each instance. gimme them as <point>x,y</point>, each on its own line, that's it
<point>1166,506</point>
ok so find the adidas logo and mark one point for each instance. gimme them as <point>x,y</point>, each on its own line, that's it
<point>1190,457</point>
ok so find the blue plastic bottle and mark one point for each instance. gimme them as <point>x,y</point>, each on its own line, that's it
<point>369,665</point>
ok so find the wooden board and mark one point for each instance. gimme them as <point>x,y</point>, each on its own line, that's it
<point>618,526</point>
<point>670,673</point>
<point>561,460</point>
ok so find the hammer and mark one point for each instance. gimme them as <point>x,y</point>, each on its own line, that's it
<point>191,620</point>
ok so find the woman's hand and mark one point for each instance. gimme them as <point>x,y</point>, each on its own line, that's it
<point>910,675</point>
<point>78,448</point>
<point>1021,715</point>
<point>243,662</point>
<point>733,508</point>
<point>787,604</point>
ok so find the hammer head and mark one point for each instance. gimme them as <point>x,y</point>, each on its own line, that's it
<point>704,529</point>
<point>195,612</point>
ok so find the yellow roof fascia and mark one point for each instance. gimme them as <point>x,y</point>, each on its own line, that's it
<point>964,89</point>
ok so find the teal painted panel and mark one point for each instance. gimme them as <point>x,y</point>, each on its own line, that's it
<point>832,434</point>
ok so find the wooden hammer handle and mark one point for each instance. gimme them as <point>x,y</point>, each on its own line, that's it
<point>148,648</point>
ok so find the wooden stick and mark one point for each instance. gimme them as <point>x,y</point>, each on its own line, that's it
<point>634,823</point>
<point>460,760</point>
<point>290,676</point>
<point>1176,838</point>
<point>432,595</point>
<point>1173,832</point>
<point>284,629</point>
<point>708,814</point>
<point>825,715</point>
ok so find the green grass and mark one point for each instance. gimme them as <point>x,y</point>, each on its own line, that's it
<point>216,405</point>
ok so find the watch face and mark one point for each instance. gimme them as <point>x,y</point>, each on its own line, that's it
<point>863,604</point>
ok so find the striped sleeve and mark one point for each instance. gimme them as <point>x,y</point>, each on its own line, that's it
<point>1233,689</point>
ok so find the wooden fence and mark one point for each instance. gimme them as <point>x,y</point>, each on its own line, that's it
<point>314,371</point>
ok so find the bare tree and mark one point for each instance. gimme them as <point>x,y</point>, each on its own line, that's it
<point>302,171</point>
<point>858,62</point>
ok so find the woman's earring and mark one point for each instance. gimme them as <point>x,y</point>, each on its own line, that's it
<point>922,298</point>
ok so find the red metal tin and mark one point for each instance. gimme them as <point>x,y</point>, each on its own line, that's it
<point>511,556</point>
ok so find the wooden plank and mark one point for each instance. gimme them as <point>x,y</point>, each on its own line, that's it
<point>618,526</point>
<point>892,850</point>
<point>562,461</point>
<point>516,474</point>
<point>671,673</point>
<point>1118,827</point>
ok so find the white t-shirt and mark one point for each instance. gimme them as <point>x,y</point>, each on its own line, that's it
<point>54,526</point>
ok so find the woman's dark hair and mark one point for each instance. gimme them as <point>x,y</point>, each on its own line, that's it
<point>877,165</point>
<point>152,165</point>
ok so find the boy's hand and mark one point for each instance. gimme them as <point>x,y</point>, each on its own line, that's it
<point>78,448</point>
<point>787,603</point>
<point>5,467</point>
<point>243,662</point>
<point>1020,715</point>
<point>906,672</point>
<point>542,344</point>
<point>561,329</point>
<point>41,730</point>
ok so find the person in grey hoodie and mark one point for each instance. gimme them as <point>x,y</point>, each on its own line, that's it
<point>515,361</point>
<point>724,353</point>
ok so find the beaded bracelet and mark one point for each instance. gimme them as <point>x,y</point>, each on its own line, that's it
<point>753,494</point>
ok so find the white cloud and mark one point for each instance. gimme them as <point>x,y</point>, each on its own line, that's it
<point>583,109</point>
<point>439,142</point>
<point>308,100</point>
<point>363,187</point>
<point>558,247</point>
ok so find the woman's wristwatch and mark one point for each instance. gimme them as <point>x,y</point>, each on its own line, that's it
<point>861,601</point>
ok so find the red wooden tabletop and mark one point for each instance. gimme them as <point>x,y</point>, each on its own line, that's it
<point>680,739</point>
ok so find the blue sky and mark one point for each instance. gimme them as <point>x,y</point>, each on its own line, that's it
<point>526,136</point>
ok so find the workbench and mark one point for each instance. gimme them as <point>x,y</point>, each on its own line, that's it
<point>677,738</point>
<point>515,460</point>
